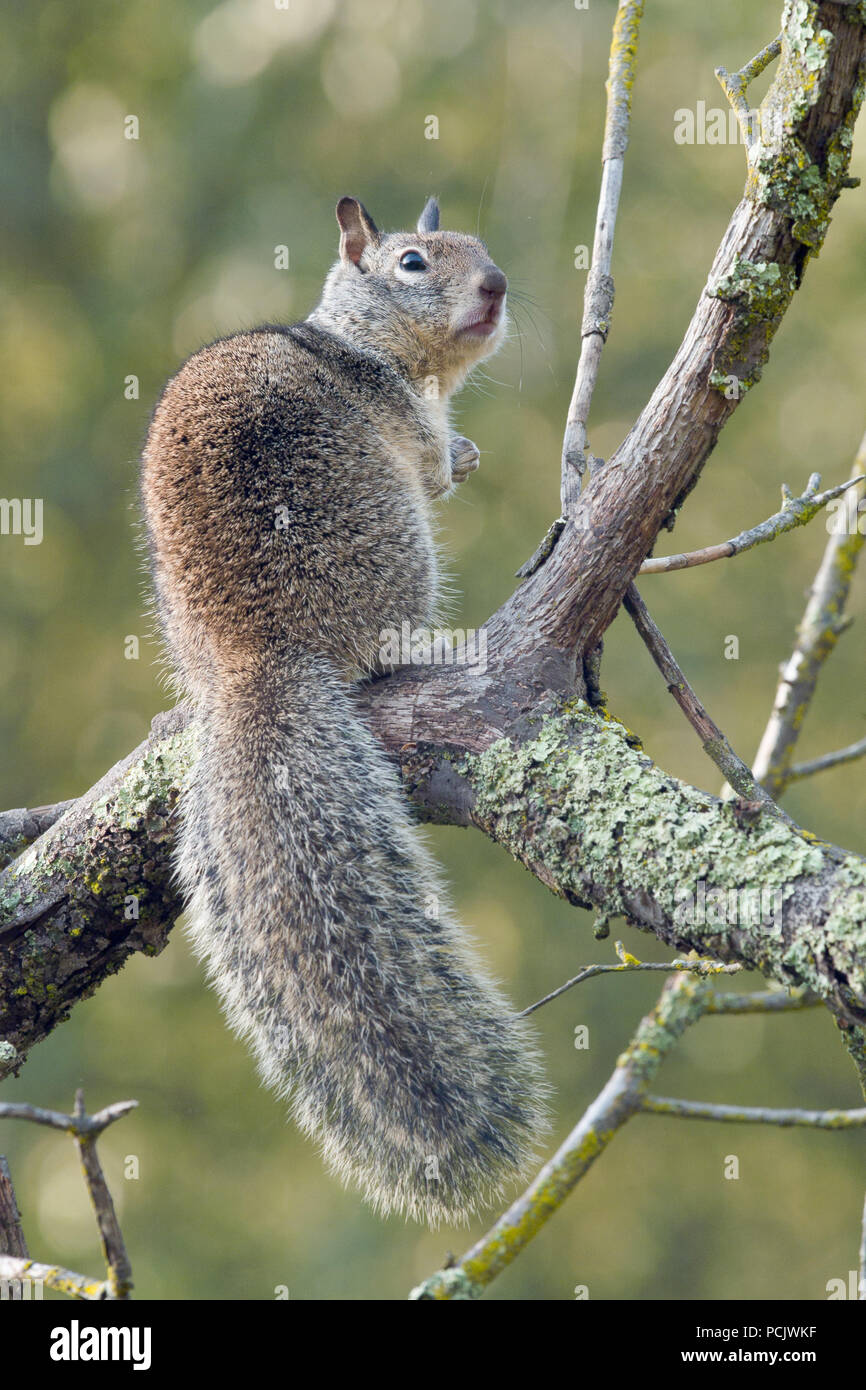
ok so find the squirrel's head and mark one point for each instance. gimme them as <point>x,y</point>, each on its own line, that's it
<point>433,299</point>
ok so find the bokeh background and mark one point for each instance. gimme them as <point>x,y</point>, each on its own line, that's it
<point>122,257</point>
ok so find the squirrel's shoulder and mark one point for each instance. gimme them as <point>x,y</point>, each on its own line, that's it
<point>298,357</point>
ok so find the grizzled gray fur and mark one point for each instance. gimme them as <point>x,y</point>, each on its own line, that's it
<point>287,481</point>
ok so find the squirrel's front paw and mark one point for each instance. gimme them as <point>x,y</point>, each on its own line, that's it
<point>465,458</point>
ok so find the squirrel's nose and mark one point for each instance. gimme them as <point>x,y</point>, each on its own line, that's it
<point>493,282</point>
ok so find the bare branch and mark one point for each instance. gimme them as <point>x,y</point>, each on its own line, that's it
<point>599,290</point>
<point>113,1248</point>
<point>715,745</point>
<point>842,755</point>
<point>12,1240</point>
<point>85,1129</point>
<point>631,963</point>
<point>566,606</point>
<point>752,1114</point>
<point>796,511</point>
<point>819,630</point>
<point>735,84</point>
<point>80,1125</point>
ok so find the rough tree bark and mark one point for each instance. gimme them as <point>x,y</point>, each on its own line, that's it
<point>516,750</point>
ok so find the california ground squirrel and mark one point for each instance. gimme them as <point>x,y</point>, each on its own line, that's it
<point>286,479</point>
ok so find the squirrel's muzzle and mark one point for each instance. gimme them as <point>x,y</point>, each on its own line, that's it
<point>493,283</point>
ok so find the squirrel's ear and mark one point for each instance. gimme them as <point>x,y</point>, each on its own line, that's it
<point>429,219</point>
<point>357,230</point>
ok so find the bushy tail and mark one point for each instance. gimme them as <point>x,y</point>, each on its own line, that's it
<point>329,938</point>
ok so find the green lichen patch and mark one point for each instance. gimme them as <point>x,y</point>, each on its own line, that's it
<point>791,183</point>
<point>763,288</point>
<point>599,823</point>
<point>760,292</point>
<point>783,174</point>
<point>151,782</point>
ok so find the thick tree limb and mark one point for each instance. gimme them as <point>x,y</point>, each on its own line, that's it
<point>572,799</point>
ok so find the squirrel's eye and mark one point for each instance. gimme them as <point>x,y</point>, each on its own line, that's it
<point>412,260</point>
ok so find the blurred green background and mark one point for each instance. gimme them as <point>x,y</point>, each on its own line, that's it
<point>122,257</point>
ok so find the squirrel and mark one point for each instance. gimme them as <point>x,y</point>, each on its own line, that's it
<point>287,478</point>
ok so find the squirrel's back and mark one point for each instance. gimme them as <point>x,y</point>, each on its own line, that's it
<point>287,480</point>
<point>271,509</point>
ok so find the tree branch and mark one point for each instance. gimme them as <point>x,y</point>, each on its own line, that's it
<point>599,290</point>
<point>713,741</point>
<point>827,760</point>
<point>796,511</point>
<point>12,1240</point>
<point>735,84</point>
<point>767,1001</point>
<point>822,624</point>
<point>629,963</point>
<point>752,1114</point>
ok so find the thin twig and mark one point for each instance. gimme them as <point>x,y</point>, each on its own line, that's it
<point>842,755</point>
<point>752,1114</point>
<point>631,963</point>
<point>76,1125</point>
<point>599,289</point>
<point>714,742</point>
<point>12,1241</point>
<point>734,85</point>
<point>819,630</point>
<point>113,1247</point>
<point>796,511</point>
